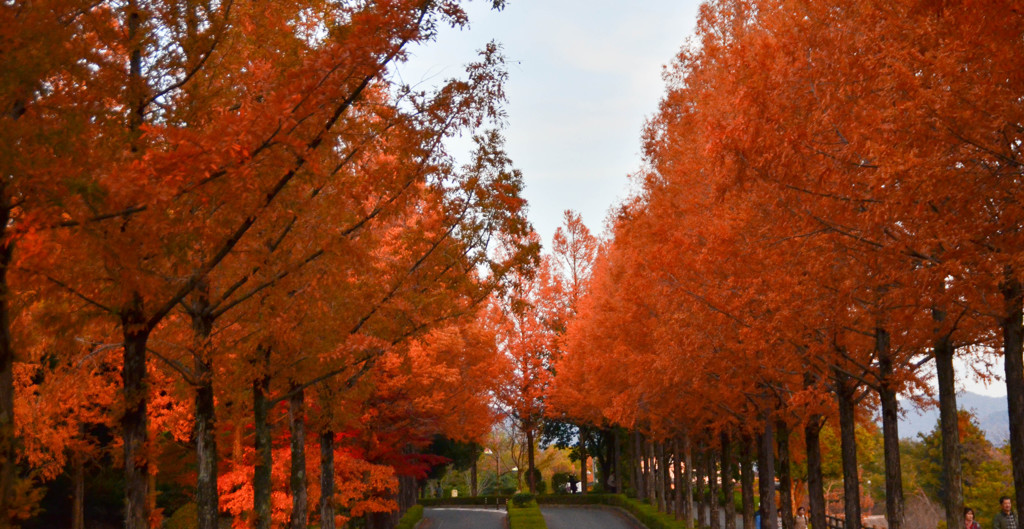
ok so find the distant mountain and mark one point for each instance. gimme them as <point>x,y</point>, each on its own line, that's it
<point>991,413</point>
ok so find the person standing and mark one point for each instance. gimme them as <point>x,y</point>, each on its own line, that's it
<point>1005,518</point>
<point>969,521</point>
<point>800,520</point>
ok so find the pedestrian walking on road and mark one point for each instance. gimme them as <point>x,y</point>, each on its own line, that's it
<point>1005,518</point>
<point>969,521</point>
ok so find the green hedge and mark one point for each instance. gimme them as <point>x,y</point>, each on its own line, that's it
<point>465,500</point>
<point>528,517</point>
<point>575,499</point>
<point>411,518</point>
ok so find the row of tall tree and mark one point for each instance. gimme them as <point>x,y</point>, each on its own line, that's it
<point>227,228</point>
<point>829,213</point>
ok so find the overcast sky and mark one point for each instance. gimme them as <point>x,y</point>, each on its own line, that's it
<point>583,77</point>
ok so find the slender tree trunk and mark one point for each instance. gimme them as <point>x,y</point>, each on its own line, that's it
<point>529,461</point>
<point>747,480</point>
<point>1013,362</point>
<point>785,475</point>
<point>890,432</point>
<point>133,421</point>
<point>766,476</point>
<point>649,473</point>
<point>714,509</point>
<point>8,454</point>
<point>949,425</point>
<point>848,448</point>
<point>637,469</point>
<point>677,481</point>
<point>617,460</point>
<point>261,483</point>
<point>297,424</point>
<point>78,499</point>
<point>701,469</point>
<point>661,475</point>
<point>666,476</point>
<point>688,477</point>
<point>204,431</point>
<point>584,432</point>
<point>727,473</point>
<point>815,483</point>
<point>327,479</point>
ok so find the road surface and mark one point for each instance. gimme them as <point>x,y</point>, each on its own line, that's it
<point>585,517</point>
<point>462,518</point>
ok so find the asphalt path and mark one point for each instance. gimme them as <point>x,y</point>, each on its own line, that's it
<point>462,518</point>
<point>585,518</point>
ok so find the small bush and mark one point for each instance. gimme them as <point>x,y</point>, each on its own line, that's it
<point>411,518</point>
<point>522,499</point>
<point>559,482</point>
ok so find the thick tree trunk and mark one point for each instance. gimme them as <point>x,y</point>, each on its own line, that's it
<point>639,487</point>
<point>848,449</point>
<point>529,461</point>
<point>949,425</point>
<point>815,482</point>
<point>584,432</point>
<point>766,476</point>
<point>785,474</point>
<point>204,431</point>
<point>261,483</point>
<point>297,424</point>
<point>8,454</point>
<point>327,479</point>
<point>748,450</point>
<point>727,489</point>
<point>472,480</point>
<point>687,477</point>
<point>666,476</point>
<point>133,422</point>
<point>715,521</point>
<point>890,432</point>
<point>1013,362</point>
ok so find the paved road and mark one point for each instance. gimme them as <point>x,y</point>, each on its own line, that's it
<point>462,518</point>
<point>585,518</point>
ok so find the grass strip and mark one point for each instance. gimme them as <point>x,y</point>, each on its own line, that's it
<point>528,517</point>
<point>411,518</point>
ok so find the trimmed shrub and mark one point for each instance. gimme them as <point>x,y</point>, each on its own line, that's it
<point>522,499</point>
<point>559,482</point>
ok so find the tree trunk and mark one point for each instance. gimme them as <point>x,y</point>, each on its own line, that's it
<point>261,483</point>
<point>815,483</point>
<point>785,474</point>
<point>297,424</point>
<point>677,482</point>
<point>8,454</point>
<point>661,475</point>
<point>727,473</point>
<point>748,450</point>
<point>1013,362</point>
<point>714,509</point>
<point>890,432</point>
<point>204,431</point>
<point>687,477</point>
<point>133,423</point>
<point>848,448</point>
<point>472,480</point>
<point>78,499</point>
<point>649,475</point>
<point>949,425</point>
<point>766,476</point>
<point>617,460</point>
<point>637,469</point>
<point>327,479</point>
<point>529,461</point>
<point>584,432</point>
